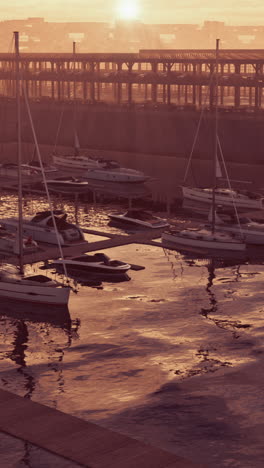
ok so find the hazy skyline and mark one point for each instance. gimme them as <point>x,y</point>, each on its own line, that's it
<point>147,11</point>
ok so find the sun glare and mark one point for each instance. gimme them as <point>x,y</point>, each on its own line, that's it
<point>128,9</point>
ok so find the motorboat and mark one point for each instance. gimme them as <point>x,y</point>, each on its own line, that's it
<point>10,171</point>
<point>111,171</point>
<point>99,169</point>
<point>97,263</point>
<point>67,185</point>
<point>36,288</point>
<point>41,228</point>
<point>77,162</point>
<point>140,218</point>
<point>203,238</point>
<point>9,243</point>
<point>225,197</point>
<point>252,232</point>
<point>37,169</point>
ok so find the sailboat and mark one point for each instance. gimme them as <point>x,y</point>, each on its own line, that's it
<point>207,237</point>
<point>14,284</point>
<point>224,196</point>
<point>92,167</point>
<point>252,231</point>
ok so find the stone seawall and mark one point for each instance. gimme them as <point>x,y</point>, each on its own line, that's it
<point>158,143</point>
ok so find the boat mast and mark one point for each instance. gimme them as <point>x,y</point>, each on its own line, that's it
<point>76,141</point>
<point>19,155</point>
<point>215,159</point>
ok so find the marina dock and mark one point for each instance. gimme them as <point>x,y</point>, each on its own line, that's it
<point>77,440</point>
<point>48,253</point>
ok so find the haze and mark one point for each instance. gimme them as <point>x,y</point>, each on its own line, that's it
<point>148,11</point>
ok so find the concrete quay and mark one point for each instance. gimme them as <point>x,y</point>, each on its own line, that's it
<point>80,441</point>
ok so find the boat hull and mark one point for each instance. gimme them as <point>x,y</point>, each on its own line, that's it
<point>114,176</point>
<point>178,238</point>
<point>138,222</point>
<point>35,294</point>
<point>91,267</point>
<point>250,237</point>
<point>205,196</point>
<point>56,186</point>
<point>42,233</point>
<point>79,164</point>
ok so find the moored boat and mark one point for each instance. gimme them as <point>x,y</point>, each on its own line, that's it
<point>252,232</point>
<point>203,238</point>
<point>139,218</point>
<point>97,263</point>
<point>209,238</point>
<point>225,197</point>
<point>68,185</point>
<point>9,243</point>
<point>10,171</point>
<point>35,166</point>
<point>40,227</point>
<point>14,284</point>
<point>111,171</point>
<point>78,162</point>
<point>36,288</point>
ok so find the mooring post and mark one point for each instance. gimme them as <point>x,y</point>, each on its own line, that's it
<point>76,199</point>
<point>94,198</point>
<point>168,205</point>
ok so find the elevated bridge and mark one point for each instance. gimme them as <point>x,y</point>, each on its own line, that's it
<point>180,78</point>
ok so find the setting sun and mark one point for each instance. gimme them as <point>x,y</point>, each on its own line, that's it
<point>128,9</point>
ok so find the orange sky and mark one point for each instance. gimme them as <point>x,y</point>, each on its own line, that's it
<point>150,11</point>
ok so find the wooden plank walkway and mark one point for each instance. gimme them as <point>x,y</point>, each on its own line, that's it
<point>77,440</point>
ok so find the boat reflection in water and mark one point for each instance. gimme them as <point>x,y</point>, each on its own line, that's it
<point>57,316</point>
<point>201,252</point>
<point>29,343</point>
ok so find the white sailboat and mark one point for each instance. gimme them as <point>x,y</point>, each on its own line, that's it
<point>251,231</point>
<point>225,196</point>
<point>91,167</point>
<point>15,284</point>
<point>208,238</point>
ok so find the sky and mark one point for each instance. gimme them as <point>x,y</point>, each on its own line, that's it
<point>148,11</point>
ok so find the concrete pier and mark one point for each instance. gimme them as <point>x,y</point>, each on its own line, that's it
<point>79,441</point>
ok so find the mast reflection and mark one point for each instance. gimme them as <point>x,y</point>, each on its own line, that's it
<point>21,334</point>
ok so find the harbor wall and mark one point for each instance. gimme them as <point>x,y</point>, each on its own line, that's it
<point>156,142</point>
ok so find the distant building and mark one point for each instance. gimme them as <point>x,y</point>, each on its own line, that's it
<point>38,35</point>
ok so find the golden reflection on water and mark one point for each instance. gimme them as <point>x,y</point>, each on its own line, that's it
<point>194,324</point>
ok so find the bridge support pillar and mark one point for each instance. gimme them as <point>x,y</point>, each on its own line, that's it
<point>168,93</point>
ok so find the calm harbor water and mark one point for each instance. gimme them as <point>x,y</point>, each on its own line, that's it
<point>173,356</point>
